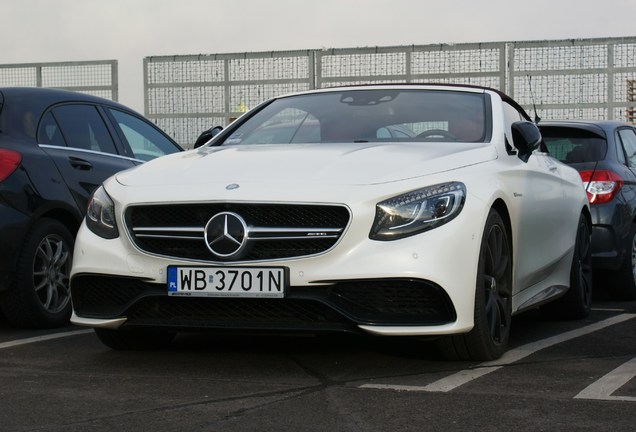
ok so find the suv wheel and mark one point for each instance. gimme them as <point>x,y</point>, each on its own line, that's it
<point>41,296</point>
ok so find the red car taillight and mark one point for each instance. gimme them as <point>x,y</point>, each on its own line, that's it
<point>601,186</point>
<point>9,161</point>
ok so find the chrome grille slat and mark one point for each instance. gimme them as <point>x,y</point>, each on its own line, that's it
<point>166,236</point>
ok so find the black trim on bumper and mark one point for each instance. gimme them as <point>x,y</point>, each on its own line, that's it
<point>339,306</point>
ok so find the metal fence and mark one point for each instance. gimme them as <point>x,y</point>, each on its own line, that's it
<point>185,95</point>
<point>97,78</point>
<point>564,79</point>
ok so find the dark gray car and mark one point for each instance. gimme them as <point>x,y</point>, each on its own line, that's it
<point>604,153</point>
<point>56,147</point>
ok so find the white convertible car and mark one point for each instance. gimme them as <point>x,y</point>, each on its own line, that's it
<point>394,210</point>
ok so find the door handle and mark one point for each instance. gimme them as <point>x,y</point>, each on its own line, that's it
<point>80,164</point>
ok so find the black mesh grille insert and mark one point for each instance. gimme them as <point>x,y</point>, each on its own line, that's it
<point>234,313</point>
<point>108,296</point>
<point>393,300</point>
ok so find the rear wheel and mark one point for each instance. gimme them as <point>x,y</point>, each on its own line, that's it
<point>134,339</point>
<point>493,309</point>
<point>623,286</point>
<point>41,296</point>
<point>577,301</point>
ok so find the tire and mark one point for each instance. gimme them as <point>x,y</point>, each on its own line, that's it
<point>623,281</point>
<point>41,297</point>
<point>577,301</point>
<point>134,339</point>
<point>488,339</point>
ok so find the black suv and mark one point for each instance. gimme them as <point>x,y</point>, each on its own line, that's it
<point>56,147</point>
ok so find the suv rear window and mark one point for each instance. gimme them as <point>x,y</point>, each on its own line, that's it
<point>572,145</point>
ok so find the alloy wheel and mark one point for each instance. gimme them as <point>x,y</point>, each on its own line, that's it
<point>51,272</point>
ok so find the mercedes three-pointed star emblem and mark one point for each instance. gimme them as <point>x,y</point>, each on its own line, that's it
<point>226,234</point>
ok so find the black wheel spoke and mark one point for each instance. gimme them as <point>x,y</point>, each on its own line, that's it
<point>500,269</point>
<point>492,314</point>
<point>494,249</point>
<point>496,284</point>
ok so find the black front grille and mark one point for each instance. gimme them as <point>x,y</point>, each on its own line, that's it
<point>177,230</point>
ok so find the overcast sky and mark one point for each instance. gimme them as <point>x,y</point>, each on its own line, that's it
<point>129,30</point>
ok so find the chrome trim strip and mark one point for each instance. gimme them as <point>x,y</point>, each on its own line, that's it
<point>294,237</point>
<point>169,229</point>
<point>166,236</point>
<point>252,234</point>
<point>75,149</point>
<point>295,230</point>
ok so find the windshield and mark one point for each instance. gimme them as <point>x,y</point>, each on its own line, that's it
<point>367,116</point>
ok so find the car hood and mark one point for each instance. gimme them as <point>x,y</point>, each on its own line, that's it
<point>326,164</point>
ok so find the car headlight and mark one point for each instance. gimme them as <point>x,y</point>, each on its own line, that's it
<point>100,215</point>
<point>417,211</point>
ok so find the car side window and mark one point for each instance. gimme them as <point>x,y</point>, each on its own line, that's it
<point>145,141</point>
<point>628,139</point>
<point>84,128</point>
<point>49,131</point>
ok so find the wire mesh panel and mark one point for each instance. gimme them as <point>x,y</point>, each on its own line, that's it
<point>186,95</point>
<point>474,64</point>
<point>576,79</point>
<point>630,112</point>
<point>98,78</point>
<point>18,76</point>
<point>362,64</point>
<point>471,64</point>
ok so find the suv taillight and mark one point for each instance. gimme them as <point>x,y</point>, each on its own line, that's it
<point>601,185</point>
<point>9,161</point>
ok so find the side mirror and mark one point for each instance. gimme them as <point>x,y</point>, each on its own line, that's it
<point>207,136</point>
<point>526,137</point>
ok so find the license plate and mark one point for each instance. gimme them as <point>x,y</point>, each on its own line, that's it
<point>268,282</point>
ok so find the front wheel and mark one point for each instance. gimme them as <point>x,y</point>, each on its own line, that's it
<point>488,339</point>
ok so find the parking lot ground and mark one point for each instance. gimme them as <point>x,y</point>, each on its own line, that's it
<point>69,381</point>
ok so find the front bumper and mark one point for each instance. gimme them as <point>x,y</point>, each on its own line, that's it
<point>341,306</point>
<point>419,285</point>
